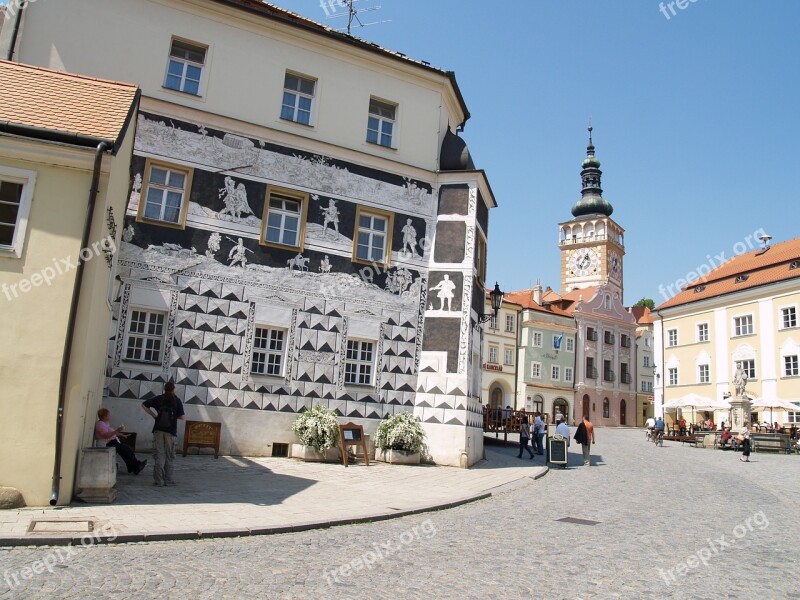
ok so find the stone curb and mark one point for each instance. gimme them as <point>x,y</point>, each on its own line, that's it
<point>162,536</point>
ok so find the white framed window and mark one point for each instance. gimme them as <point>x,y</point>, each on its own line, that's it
<point>702,332</point>
<point>743,325</point>
<point>493,322</point>
<point>794,417</point>
<point>537,339</point>
<point>647,386</point>
<point>570,344</point>
<point>298,98</point>
<point>555,372</point>
<point>645,361</point>
<point>493,351</point>
<point>380,123</point>
<point>647,342</point>
<point>790,366</point>
<point>568,374</point>
<point>703,374</point>
<point>284,219</point>
<point>359,362</point>
<point>672,375</point>
<point>373,238</point>
<point>672,337</point>
<point>536,370</point>
<point>145,340</point>
<point>185,67</point>
<point>16,193</point>
<point>510,323</point>
<point>749,367</point>
<point>164,195</point>
<point>508,359</point>
<point>788,317</point>
<point>269,348</point>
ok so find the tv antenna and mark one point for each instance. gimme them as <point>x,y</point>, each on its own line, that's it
<point>352,13</point>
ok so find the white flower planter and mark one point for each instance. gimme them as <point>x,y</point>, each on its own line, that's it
<point>308,454</point>
<point>397,457</point>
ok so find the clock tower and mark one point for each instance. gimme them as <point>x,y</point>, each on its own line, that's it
<point>592,243</point>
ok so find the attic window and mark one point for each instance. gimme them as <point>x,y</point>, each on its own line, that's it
<point>699,288</point>
<point>794,265</point>
<point>742,278</point>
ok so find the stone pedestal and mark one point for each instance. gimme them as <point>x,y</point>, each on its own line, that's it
<point>740,412</point>
<point>97,475</point>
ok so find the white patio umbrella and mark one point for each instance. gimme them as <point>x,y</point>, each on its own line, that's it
<point>694,401</point>
<point>773,403</point>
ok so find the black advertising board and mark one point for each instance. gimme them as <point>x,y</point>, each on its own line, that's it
<point>557,450</point>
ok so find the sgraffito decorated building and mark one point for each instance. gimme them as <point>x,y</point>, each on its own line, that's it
<point>304,224</point>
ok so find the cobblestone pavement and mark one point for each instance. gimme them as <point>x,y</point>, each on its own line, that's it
<point>675,522</point>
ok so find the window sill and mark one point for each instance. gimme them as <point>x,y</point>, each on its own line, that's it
<point>8,252</point>
<point>157,223</point>
<point>293,122</point>
<point>182,93</point>
<point>377,145</point>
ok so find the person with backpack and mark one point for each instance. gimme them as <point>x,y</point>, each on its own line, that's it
<point>165,409</point>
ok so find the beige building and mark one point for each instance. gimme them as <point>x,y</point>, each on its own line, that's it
<point>743,313</point>
<point>644,364</point>
<point>500,355</point>
<point>65,149</point>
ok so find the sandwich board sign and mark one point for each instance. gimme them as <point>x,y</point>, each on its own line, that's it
<point>557,449</point>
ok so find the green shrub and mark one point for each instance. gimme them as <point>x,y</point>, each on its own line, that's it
<point>401,432</point>
<point>317,427</point>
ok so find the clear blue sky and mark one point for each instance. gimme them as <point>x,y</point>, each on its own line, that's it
<point>696,120</point>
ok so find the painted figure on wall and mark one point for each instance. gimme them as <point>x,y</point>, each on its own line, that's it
<point>409,238</point>
<point>235,199</point>
<point>445,288</point>
<point>330,215</point>
<point>238,254</point>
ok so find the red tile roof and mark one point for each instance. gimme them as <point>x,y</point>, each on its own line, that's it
<point>58,101</point>
<point>525,299</point>
<point>642,315</point>
<point>743,272</point>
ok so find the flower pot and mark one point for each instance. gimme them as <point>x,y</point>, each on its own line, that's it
<point>397,457</point>
<point>308,454</point>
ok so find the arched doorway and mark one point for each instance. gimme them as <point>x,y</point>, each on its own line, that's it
<point>586,406</point>
<point>560,409</point>
<point>496,398</point>
<point>538,403</point>
<point>622,412</point>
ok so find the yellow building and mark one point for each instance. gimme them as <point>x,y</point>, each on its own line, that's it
<point>744,313</point>
<point>65,148</point>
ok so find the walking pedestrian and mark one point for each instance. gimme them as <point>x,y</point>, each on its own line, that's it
<point>744,434</point>
<point>165,409</point>
<point>538,432</point>
<point>585,437</point>
<point>524,436</point>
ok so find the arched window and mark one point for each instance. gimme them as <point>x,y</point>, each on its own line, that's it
<point>497,398</point>
<point>606,408</point>
<point>560,409</point>
<point>622,408</point>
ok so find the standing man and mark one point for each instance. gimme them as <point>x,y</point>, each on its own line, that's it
<point>538,432</point>
<point>165,409</point>
<point>585,437</point>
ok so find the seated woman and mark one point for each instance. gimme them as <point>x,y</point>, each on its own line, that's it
<point>682,426</point>
<point>103,432</point>
<point>725,438</point>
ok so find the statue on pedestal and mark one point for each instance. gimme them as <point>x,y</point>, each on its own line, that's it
<point>740,380</point>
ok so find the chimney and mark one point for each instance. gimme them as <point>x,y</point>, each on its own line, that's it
<point>537,292</point>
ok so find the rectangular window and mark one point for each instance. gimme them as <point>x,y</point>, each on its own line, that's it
<point>509,356</point>
<point>608,372</point>
<point>570,342</point>
<point>479,260</point>
<point>358,363</point>
<point>591,334</point>
<point>380,123</point>
<point>702,332</point>
<point>536,370</point>
<point>493,322</point>
<point>608,337</point>
<point>493,350</point>
<point>645,361</point>
<point>537,339</point>
<point>284,220</point>
<point>743,325</point>
<point>555,373</point>
<point>624,341</point>
<point>591,372</point>
<point>185,67</point>
<point>510,323</point>
<point>16,191</point>
<point>567,373</point>
<point>647,386</point>
<point>165,194</point>
<point>703,374</point>
<point>749,367</point>
<point>672,374</point>
<point>788,317</point>
<point>145,341</point>
<point>624,374</point>
<point>268,351</point>
<point>790,366</point>
<point>298,98</point>
<point>372,241</point>
<point>672,337</point>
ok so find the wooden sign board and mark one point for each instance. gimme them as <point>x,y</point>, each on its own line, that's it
<point>557,450</point>
<point>351,434</point>
<point>202,434</point>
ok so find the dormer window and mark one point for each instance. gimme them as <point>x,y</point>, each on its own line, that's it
<point>742,278</point>
<point>699,288</point>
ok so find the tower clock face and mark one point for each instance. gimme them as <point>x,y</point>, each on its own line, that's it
<point>583,262</point>
<point>615,266</point>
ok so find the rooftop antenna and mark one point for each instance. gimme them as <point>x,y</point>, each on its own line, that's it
<point>351,14</point>
<point>764,239</point>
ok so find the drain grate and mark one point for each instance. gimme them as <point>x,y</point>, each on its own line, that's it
<point>577,521</point>
<point>61,527</point>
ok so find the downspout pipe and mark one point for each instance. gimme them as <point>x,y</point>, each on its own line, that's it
<point>73,313</point>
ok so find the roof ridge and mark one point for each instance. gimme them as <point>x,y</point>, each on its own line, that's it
<point>774,259</point>
<point>68,75</point>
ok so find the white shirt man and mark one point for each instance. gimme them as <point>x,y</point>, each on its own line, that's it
<point>563,430</point>
<point>650,423</point>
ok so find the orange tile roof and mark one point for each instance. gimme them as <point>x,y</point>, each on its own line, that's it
<point>642,315</point>
<point>760,268</point>
<point>54,100</point>
<point>525,299</point>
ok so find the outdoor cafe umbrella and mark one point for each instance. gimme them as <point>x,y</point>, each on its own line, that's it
<point>694,401</point>
<point>773,403</point>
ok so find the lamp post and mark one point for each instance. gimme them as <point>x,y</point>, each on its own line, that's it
<point>496,298</point>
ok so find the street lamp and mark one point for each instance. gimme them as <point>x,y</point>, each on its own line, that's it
<point>496,298</point>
